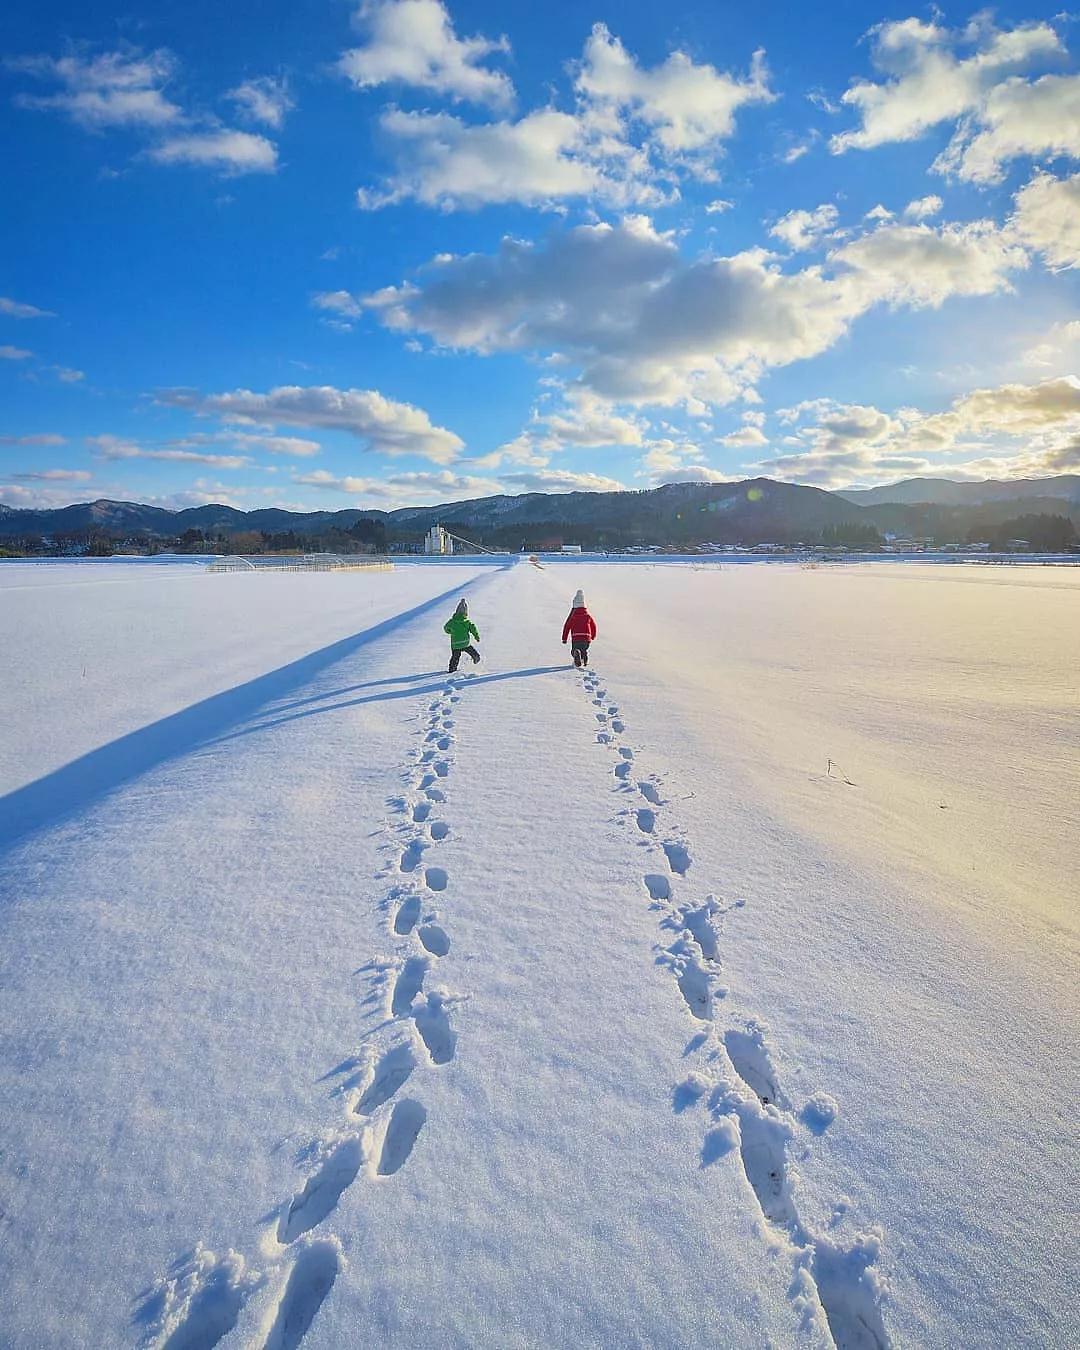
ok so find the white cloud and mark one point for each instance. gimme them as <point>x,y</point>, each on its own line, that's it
<point>559,480</point>
<point>45,438</point>
<point>66,375</point>
<point>231,152</point>
<point>124,89</point>
<point>925,83</point>
<point>389,427</point>
<point>1055,346</point>
<point>265,100</point>
<point>646,325</point>
<point>412,42</point>
<point>804,229</point>
<point>748,435</point>
<point>14,353</point>
<point>14,310</point>
<point>116,447</point>
<point>923,207</point>
<point>718,206</point>
<point>293,446</point>
<point>55,476</point>
<point>338,302</point>
<point>1047,218</point>
<point>114,89</point>
<point>698,473</point>
<point>539,160</point>
<point>688,107</point>
<point>1040,119</point>
<point>1010,431</point>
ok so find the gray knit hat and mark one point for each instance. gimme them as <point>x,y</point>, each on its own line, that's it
<point>462,610</point>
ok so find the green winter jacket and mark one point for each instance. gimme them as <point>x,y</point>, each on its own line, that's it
<point>460,629</point>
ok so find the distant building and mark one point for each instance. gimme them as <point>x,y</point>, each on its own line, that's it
<point>438,541</point>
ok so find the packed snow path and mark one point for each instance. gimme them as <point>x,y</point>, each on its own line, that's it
<point>396,1011</point>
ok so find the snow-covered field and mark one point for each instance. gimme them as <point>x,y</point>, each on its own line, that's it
<point>723,996</point>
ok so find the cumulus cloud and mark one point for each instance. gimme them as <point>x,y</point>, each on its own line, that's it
<point>922,208</point>
<point>16,310</point>
<point>1047,218</point>
<point>387,426</point>
<point>123,88</point>
<point>926,83</point>
<point>1040,119</point>
<point>8,353</point>
<point>688,107</point>
<point>1008,431</point>
<point>412,42</point>
<point>540,160</point>
<point>265,99</point>
<point>646,325</point>
<point>632,132</point>
<point>231,152</point>
<point>804,229</point>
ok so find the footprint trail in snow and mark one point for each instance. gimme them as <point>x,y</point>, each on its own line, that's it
<point>203,1299</point>
<point>837,1286</point>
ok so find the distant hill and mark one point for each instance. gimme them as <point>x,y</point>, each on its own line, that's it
<point>756,510</point>
<point>949,492</point>
<point>752,511</point>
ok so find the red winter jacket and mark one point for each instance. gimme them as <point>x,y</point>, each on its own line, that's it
<point>579,624</point>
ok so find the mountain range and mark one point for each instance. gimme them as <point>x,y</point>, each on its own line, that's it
<point>753,511</point>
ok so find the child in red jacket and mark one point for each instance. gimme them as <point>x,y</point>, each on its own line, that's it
<point>580,628</point>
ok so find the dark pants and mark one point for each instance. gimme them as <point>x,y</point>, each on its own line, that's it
<point>579,650</point>
<point>458,652</point>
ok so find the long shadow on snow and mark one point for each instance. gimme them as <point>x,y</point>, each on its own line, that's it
<point>474,682</point>
<point>94,775</point>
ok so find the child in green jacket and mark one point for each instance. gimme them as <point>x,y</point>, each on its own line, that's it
<point>461,628</point>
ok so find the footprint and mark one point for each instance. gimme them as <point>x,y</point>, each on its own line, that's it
<point>433,1024</point>
<point>434,939</point>
<point>695,987</point>
<point>390,1073</point>
<point>762,1145</point>
<point>618,726</point>
<point>604,737</point>
<point>311,1279</point>
<point>649,792</point>
<point>408,984</point>
<point>421,812</point>
<point>442,768</point>
<point>699,922</point>
<point>434,794</point>
<point>622,771</point>
<point>646,820</point>
<point>213,1309</point>
<point>601,718</point>
<point>678,856</point>
<point>436,878</point>
<point>613,709</point>
<point>750,1059</point>
<point>439,829</point>
<point>659,887</point>
<point>410,859</point>
<point>407,915</point>
<point>405,1124</point>
<point>427,756</point>
<point>445,742</point>
<point>626,754</point>
<point>320,1196</point>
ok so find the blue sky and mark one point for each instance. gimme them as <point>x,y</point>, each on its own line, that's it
<point>322,255</point>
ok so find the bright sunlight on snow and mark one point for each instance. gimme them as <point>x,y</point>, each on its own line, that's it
<point>722,993</point>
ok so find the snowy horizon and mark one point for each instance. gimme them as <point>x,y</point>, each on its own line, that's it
<point>401,251</point>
